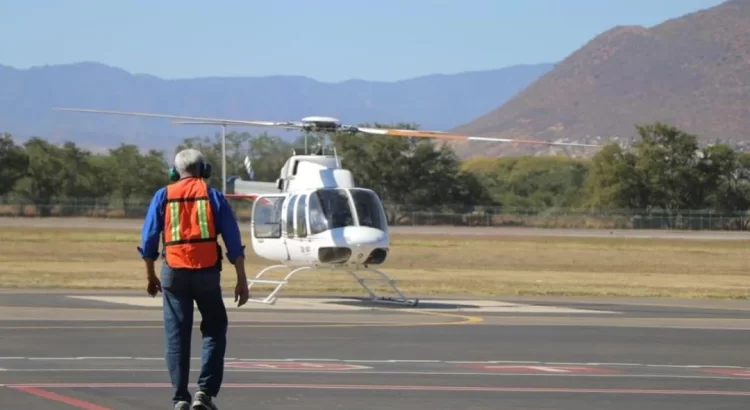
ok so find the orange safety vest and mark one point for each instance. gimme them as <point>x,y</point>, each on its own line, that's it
<point>189,231</point>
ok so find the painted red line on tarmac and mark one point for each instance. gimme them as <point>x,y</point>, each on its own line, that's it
<point>729,372</point>
<point>386,387</point>
<point>71,401</point>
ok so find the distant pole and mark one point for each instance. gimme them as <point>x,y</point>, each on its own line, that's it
<point>223,159</point>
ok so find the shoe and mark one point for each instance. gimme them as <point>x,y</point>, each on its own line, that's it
<point>182,405</point>
<point>203,401</point>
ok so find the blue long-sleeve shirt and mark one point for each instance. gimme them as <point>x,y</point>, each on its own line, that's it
<point>226,225</point>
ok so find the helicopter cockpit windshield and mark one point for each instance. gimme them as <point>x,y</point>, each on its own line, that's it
<point>331,208</point>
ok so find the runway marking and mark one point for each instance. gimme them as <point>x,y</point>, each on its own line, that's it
<point>729,372</point>
<point>71,401</point>
<point>398,373</point>
<point>483,389</point>
<point>544,369</point>
<point>294,366</point>
<point>329,304</point>
<point>391,361</point>
<point>232,325</point>
<point>462,319</point>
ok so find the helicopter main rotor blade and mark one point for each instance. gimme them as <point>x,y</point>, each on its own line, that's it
<point>449,136</point>
<point>323,124</point>
<point>191,120</point>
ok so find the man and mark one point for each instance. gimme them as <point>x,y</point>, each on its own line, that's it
<point>190,215</point>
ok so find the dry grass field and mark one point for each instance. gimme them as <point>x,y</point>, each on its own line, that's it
<point>423,265</point>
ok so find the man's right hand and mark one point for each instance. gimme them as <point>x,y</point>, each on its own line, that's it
<point>241,293</point>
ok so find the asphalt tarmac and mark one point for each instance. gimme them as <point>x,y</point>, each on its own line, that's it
<point>102,351</point>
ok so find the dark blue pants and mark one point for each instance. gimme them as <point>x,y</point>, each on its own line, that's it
<point>181,288</point>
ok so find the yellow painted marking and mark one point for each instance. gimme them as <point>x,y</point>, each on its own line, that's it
<point>462,320</point>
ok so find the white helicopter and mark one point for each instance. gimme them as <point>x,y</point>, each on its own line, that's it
<point>314,217</point>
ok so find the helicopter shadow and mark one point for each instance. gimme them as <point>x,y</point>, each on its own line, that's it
<point>431,305</point>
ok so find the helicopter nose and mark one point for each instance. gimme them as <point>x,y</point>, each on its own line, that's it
<point>368,245</point>
<point>364,236</point>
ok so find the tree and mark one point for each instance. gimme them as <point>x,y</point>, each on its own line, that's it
<point>668,160</point>
<point>409,171</point>
<point>727,172</point>
<point>82,179</point>
<point>14,163</point>
<point>45,179</point>
<point>613,181</point>
<point>268,154</point>
<point>531,182</point>
<point>137,176</point>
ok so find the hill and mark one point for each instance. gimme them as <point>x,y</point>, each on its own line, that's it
<point>27,96</point>
<point>692,72</point>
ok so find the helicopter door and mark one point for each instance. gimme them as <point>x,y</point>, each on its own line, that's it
<point>300,248</point>
<point>267,227</point>
<point>295,214</point>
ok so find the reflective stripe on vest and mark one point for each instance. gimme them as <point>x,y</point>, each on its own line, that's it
<point>189,232</point>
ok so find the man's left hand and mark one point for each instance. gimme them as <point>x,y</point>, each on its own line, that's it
<point>154,286</point>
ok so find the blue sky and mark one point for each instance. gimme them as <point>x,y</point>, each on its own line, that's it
<point>329,40</point>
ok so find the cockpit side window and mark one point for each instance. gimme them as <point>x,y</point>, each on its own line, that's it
<point>334,206</point>
<point>369,209</point>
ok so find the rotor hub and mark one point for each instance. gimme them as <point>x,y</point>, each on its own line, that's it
<point>318,123</point>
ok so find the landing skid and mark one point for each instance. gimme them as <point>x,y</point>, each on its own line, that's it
<point>401,300</point>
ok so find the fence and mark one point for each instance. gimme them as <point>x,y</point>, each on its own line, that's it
<point>421,216</point>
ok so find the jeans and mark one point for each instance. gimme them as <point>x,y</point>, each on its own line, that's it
<point>180,288</point>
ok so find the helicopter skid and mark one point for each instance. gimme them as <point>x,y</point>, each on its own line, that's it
<point>401,300</point>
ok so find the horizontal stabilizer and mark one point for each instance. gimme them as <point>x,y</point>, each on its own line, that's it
<point>251,189</point>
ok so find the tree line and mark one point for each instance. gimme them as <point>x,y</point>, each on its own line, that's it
<point>666,171</point>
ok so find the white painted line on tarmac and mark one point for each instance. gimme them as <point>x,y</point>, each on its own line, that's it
<point>334,304</point>
<point>389,361</point>
<point>414,361</point>
<point>387,372</point>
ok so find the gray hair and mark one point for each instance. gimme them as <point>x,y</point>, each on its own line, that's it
<point>188,161</point>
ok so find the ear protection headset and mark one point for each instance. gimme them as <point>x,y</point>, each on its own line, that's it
<point>204,170</point>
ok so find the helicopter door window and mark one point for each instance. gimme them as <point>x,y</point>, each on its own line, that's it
<point>290,217</point>
<point>267,217</point>
<point>302,216</point>
<point>369,210</point>
<point>318,221</point>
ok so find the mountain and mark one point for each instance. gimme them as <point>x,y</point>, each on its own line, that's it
<point>432,101</point>
<point>692,72</point>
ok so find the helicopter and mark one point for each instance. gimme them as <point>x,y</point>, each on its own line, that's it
<point>314,216</point>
